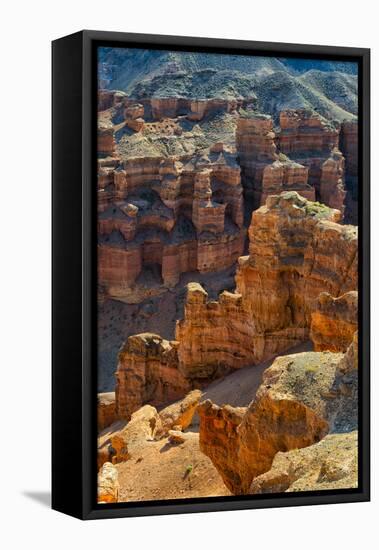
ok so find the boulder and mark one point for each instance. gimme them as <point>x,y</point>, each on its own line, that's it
<point>141,428</point>
<point>176,436</point>
<point>302,397</point>
<point>107,484</point>
<point>330,464</point>
<point>179,415</point>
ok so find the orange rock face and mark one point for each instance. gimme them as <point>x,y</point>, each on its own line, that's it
<point>257,151</point>
<point>147,372</point>
<point>297,250</point>
<point>334,321</point>
<point>314,168</point>
<point>106,410</point>
<point>105,140</point>
<point>107,484</point>
<point>312,141</point>
<point>286,176</point>
<point>299,401</point>
<point>195,212</point>
<point>179,415</point>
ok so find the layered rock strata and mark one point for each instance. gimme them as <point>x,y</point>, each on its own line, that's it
<point>180,216</point>
<point>297,250</point>
<point>311,140</point>
<point>334,321</point>
<point>147,372</point>
<point>264,170</point>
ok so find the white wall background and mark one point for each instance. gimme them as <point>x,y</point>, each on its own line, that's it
<point>27,27</point>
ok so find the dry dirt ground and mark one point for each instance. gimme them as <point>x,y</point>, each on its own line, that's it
<point>162,470</point>
<point>118,320</point>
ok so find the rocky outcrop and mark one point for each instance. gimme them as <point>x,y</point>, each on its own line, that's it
<point>332,190</point>
<point>334,321</point>
<point>214,336</point>
<point>285,175</point>
<point>180,214</point>
<point>106,410</point>
<point>179,415</point>
<point>193,109</point>
<point>147,372</point>
<point>134,116</point>
<point>105,139</point>
<point>311,140</point>
<point>330,464</point>
<point>307,159</point>
<point>257,151</point>
<point>304,131</point>
<point>349,146</point>
<point>301,399</point>
<point>142,427</point>
<point>297,250</point>
<point>107,484</point>
<point>207,215</point>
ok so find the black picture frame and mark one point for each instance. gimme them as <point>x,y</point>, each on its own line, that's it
<point>74,273</point>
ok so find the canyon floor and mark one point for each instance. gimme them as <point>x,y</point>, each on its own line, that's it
<point>164,469</point>
<point>117,320</point>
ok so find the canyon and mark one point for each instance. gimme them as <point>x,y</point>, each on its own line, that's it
<point>227,281</point>
<point>297,284</point>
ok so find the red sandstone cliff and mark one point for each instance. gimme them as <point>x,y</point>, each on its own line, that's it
<point>297,250</point>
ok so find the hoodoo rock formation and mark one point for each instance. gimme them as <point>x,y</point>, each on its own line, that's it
<point>183,213</point>
<point>173,197</point>
<point>264,170</point>
<point>297,250</point>
<point>308,138</point>
<point>148,372</point>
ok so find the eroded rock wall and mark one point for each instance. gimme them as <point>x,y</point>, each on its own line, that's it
<point>302,398</point>
<point>147,372</point>
<point>297,250</point>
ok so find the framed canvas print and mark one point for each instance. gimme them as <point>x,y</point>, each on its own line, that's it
<point>210,275</point>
